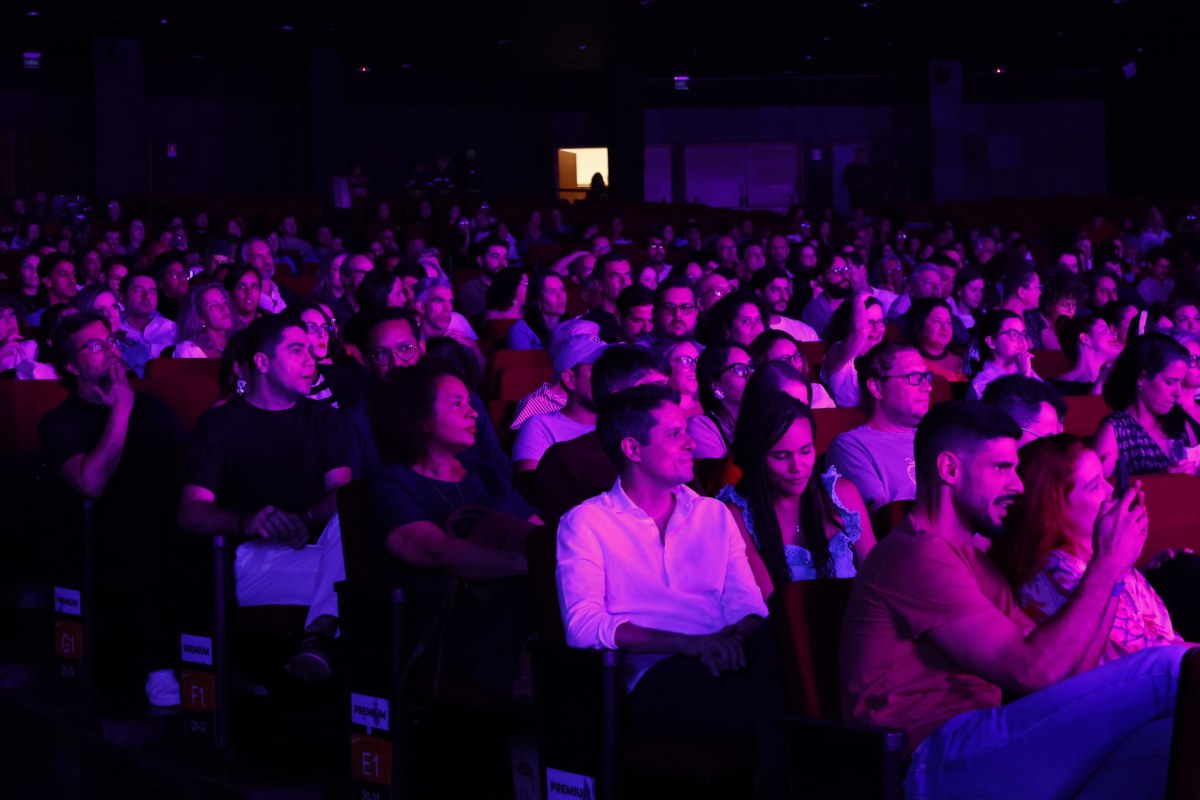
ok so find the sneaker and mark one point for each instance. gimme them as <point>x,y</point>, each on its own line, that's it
<point>162,689</point>
<point>312,662</point>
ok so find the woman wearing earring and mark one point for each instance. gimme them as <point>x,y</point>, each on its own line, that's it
<point>1007,345</point>
<point>207,320</point>
<point>721,373</point>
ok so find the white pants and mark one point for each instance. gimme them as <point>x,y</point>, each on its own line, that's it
<point>266,573</point>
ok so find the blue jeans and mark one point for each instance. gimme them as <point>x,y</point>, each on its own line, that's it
<point>1105,733</point>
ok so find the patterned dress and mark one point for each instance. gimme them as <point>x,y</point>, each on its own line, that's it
<point>1137,452</point>
<point>1142,620</point>
<point>799,560</point>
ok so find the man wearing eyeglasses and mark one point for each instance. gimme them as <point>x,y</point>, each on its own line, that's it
<point>710,289</point>
<point>877,457</point>
<point>675,309</point>
<point>833,279</point>
<point>120,450</point>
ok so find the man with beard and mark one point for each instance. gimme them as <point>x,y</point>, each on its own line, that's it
<point>774,286</point>
<point>932,637</point>
<point>265,467</point>
<point>491,256</point>
<point>833,277</point>
<point>675,310</point>
<point>572,359</point>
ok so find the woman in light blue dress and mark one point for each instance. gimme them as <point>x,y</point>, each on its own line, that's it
<point>799,524</point>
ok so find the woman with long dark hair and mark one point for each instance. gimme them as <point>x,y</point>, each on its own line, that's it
<point>803,524</point>
<point>721,373</point>
<point>545,306</point>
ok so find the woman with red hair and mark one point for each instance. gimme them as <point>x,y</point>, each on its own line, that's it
<point>1048,543</point>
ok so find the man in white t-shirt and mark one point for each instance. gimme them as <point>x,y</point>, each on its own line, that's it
<point>774,286</point>
<point>572,359</point>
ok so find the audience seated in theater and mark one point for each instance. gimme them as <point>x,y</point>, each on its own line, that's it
<point>860,281</point>
<point>877,457</point>
<point>774,286</point>
<point>681,357</point>
<point>925,280</point>
<point>833,279</point>
<point>1184,312</point>
<point>933,636</point>
<point>506,296</point>
<point>57,274</point>
<point>855,329</point>
<point>929,326</point>
<point>491,256</point>
<point>635,314</point>
<point>266,466</point>
<point>967,299</point>
<point>798,524</point>
<point>337,381</point>
<point>46,370</point>
<point>614,274</point>
<point>1036,406</point>
<point>721,373</point>
<point>434,304</point>
<point>1004,340</point>
<point>1155,287</point>
<point>1092,348</point>
<point>97,299</point>
<point>329,289</point>
<point>444,515</point>
<point>243,283</point>
<point>1147,432</point>
<point>736,319</point>
<point>1191,380</point>
<point>1022,289</point>
<point>29,294</point>
<point>621,560</point>
<point>545,306</point>
<point>169,271</point>
<point>272,298</point>
<point>710,289</point>
<point>14,348</point>
<point>1124,320</point>
<point>778,377</point>
<point>1061,298</point>
<point>1048,543</point>
<point>675,311</point>
<point>120,450</point>
<point>571,472</point>
<point>777,346</point>
<point>205,323</point>
<point>572,358</point>
<point>144,328</point>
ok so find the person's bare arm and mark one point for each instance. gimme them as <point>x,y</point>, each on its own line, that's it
<point>1057,648</point>
<point>852,499</point>
<point>720,652</point>
<point>89,473</point>
<point>425,545</point>
<point>1105,445</point>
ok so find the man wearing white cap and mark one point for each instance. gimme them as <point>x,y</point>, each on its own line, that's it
<point>572,358</point>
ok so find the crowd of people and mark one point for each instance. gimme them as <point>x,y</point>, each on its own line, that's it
<point>685,344</point>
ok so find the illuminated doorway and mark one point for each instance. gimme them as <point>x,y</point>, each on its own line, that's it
<point>576,167</point>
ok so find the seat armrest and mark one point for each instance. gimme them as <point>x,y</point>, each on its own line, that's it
<point>839,759</point>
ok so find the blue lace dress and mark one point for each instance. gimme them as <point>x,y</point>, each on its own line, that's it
<point>799,560</point>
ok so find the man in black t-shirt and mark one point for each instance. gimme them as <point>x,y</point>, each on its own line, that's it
<point>120,450</point>
<point>267,466</point>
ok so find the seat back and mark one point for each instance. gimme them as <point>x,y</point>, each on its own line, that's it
<point>541,551</point>
<point>1084,414</point>
<point>1173,505</point>
<point>513,383</point>
<point>808,628</point>
<point>888,516</point>
<point>829,422</point>
<point>169,369</point>
<point>188,394</point>
<point>22,406</point>
<point>1050,364</point>
<point>814,355</point>
<point>351,507</point>
<point>497,329</point>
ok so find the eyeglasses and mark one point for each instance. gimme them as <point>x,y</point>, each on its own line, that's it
<point>655,246</point>
<point>790,359</point>
<point>685,309</point>
<point>716,290</point>
<point>316,327</point>
<point>914,378</point>
<point>99,345</point>
<point>687,362</point>
<point>838,271</point>
<point>1014,335</point>
<point>402,352</point>
<point>743,371</point>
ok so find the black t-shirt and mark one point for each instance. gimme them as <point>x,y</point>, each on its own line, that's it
<point>250,458</point>
<point>143,493</point>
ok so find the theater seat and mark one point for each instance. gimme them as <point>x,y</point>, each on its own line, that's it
<point>830,422</point>
<point>828,756</point>
<point>22,406</point>
<point>513,383</point>
<point>1173,505</point>
<point>188,395</point>
<point>497,329</point>
<point>1050,364</point>
<point>888,516</point>
<point>1084,413</point>
<point>502,359</point>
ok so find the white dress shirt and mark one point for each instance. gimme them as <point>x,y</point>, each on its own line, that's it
<point>613,568</point>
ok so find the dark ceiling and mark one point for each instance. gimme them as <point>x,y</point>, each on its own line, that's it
<point>656,37</point>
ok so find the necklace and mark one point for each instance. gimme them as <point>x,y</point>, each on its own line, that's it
<point>458,487</point>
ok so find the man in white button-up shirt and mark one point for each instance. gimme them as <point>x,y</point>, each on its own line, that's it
<point>656,570</point>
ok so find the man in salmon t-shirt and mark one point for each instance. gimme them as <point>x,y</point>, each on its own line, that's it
<point>932,637</point>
